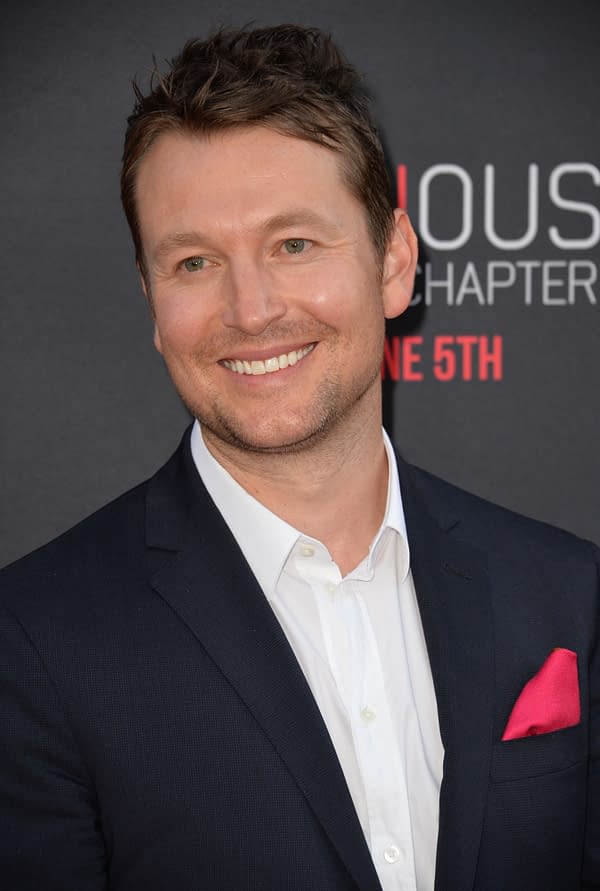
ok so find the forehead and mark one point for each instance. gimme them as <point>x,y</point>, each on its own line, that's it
<point>236,178</point>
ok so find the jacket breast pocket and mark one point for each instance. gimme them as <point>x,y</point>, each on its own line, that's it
<point>538,755</point>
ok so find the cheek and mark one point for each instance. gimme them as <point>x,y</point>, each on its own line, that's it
<point>348,299</point>
<point>180,323</point>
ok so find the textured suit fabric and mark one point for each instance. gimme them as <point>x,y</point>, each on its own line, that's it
<point>158,734</point>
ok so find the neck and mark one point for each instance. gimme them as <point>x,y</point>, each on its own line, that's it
<point>334,491</point>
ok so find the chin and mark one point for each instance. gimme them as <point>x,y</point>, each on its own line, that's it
<point>281,441</point>
<point>292,430</point>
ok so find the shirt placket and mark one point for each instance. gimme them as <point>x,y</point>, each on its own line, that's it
<point>353,658</point>
<point>376,748</point>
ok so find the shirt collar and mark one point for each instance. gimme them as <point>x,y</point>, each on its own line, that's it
<point>264,538</point>
<point>393,519</point>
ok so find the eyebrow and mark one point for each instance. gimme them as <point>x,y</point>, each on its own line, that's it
<point>177,240</point>
<point>285,220</point>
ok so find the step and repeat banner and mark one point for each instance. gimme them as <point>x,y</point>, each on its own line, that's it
<point>489,117</point>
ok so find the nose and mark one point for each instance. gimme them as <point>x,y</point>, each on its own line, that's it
<point>252,300</point>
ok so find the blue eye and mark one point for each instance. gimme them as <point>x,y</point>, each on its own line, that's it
<point>193,264</point>
<point>294,245</point>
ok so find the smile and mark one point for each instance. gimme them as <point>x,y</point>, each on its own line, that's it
<point>268,366</point>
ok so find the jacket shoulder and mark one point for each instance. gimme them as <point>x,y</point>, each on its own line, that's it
<point>495,527</point>
<point>96,545</point>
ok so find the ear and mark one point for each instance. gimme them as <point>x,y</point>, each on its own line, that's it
<point>399,266</point>
<point>150,302</point>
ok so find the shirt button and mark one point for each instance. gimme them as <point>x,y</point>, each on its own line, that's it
<point>391,854</point>
<point>307,550</point>
<point>330,587</point>
<point>367,714</point>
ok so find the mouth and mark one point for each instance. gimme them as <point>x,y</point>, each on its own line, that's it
<point>270,365</point>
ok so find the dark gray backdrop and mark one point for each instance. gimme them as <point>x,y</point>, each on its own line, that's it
<point>87,408</point>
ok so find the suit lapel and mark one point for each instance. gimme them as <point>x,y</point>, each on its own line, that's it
<point>452,588</point>
<point>209,584</point>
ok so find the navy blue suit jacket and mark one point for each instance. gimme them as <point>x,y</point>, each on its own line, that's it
<point>158,733</point>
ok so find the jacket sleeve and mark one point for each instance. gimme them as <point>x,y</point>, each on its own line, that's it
<point>50,833</point>
<point>591,866</point>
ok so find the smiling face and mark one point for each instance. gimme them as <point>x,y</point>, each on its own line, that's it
<point>268,297</point>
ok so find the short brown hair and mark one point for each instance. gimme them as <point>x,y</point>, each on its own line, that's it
<point>289,78</point>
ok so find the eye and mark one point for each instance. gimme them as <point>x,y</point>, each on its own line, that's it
<point>193,264</point>
<point>295,245</point>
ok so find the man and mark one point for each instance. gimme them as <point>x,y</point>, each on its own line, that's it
<point>290,661</point>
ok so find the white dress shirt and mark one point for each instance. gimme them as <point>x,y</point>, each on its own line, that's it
<point>360,643</point>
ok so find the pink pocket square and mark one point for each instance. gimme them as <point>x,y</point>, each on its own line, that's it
<point>550,700</point>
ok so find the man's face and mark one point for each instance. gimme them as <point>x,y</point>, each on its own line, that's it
<point>265,286</point>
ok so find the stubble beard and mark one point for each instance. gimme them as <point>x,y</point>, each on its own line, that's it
<point>332,412</point>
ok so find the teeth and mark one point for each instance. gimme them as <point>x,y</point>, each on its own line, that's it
<point>268,366</point>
